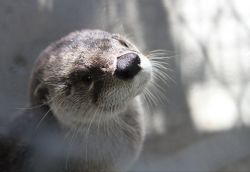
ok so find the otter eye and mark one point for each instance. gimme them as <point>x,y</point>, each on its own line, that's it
<point>81,76</point>
<point>124,43</point>
<point>87,79</point>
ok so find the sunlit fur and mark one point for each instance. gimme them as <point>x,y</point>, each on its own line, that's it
<point>155,92</point>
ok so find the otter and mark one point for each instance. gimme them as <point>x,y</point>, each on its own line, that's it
<point>85,112</point>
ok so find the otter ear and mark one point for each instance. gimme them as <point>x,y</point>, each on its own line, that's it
<point>41,93</point>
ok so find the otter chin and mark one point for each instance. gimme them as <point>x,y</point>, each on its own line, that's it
<point>85,110</point>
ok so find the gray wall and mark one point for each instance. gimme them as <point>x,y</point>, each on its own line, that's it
<point>190,130</point>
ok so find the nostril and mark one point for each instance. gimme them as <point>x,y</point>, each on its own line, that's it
<point>127,66</point>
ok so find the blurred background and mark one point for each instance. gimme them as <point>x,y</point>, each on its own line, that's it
<point>204,123</point>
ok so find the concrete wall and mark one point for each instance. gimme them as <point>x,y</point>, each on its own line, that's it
<point>203,126</point>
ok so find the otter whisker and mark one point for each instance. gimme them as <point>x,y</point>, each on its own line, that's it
<point>158,78</point>
<point>87,134</point>
<point>158,92</point>
<point>33,107</point>
<point>158,56</point>
<point>41,120</point>
<point>151,97</point>
<point>76,131</point>
<point>146,103</point>
<point>160,63</point>
<point>124,126</point>
<point>45,115</point>
<point>105,130</point>
<point>38,106</point>
<point>99,122</point>
<point>166,52</point>
<point>160,50</point>
<point>69,148</point>
<point>164,77</point>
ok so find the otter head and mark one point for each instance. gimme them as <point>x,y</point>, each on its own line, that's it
<point>87,74</point>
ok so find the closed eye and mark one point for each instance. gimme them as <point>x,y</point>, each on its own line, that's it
<point>123,43</point>
<point>87,79</point>
<point>81,76</point>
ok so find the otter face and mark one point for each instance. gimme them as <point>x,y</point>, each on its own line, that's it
<point>90,73</point>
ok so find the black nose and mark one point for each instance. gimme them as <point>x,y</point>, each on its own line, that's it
<point>127,66</point>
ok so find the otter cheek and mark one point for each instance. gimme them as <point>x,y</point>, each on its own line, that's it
<point>96,91</point>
